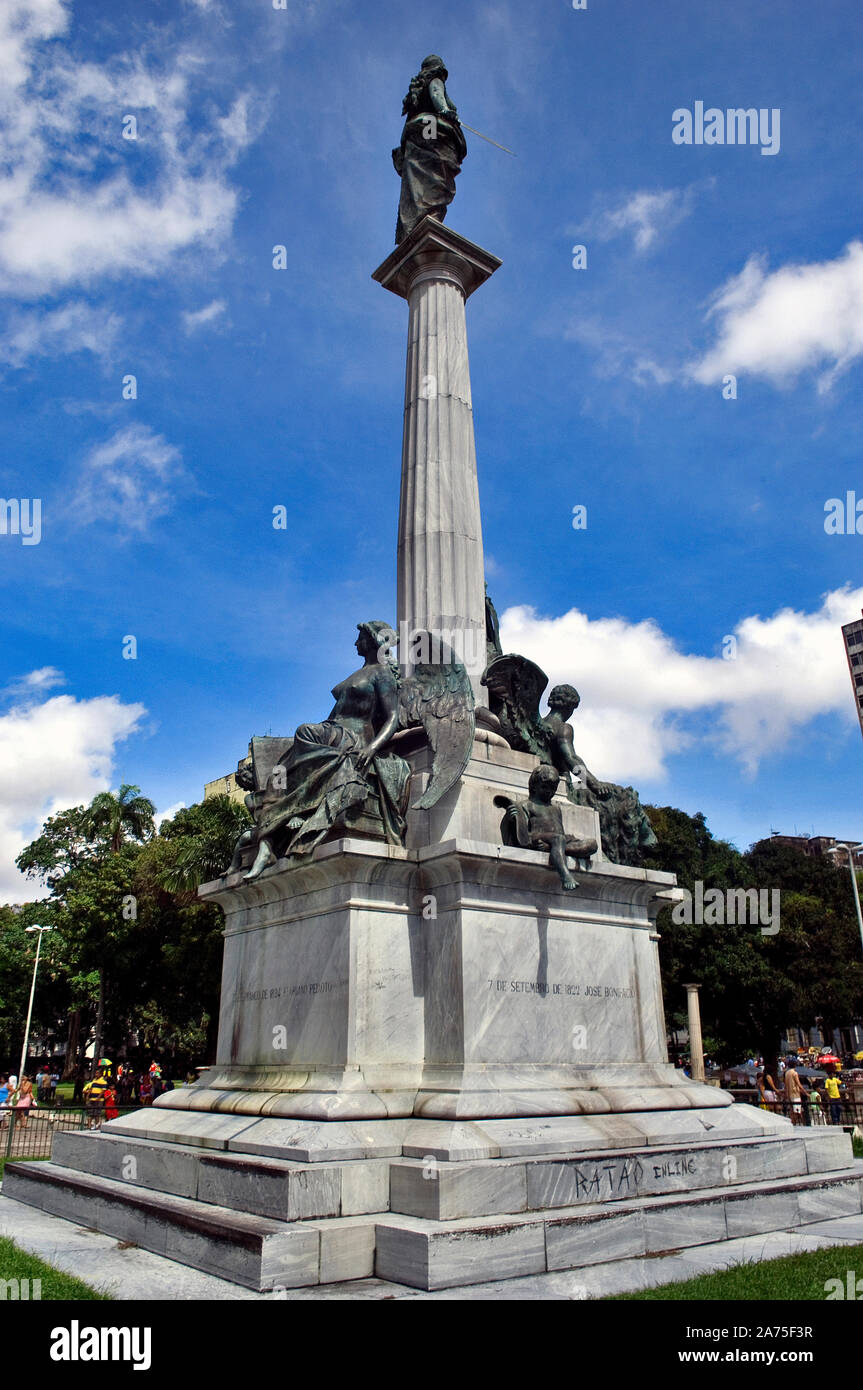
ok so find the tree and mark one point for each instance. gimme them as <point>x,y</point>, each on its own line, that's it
<point>98,923</point>
<point>132,940</point>
<point>17,956</point>
<point>818,913</point>
<point>72,854</point>
<point>65,842</point>
<point>111,818</point>
<point>114,817</point>
<point>753,984</point>
<point>193,848</point>
<point>202,839</point>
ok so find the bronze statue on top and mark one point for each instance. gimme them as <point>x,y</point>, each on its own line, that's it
<point>431,151</point>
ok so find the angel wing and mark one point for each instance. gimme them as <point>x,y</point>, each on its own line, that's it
<point>439,697</point>
<point>515,686</point>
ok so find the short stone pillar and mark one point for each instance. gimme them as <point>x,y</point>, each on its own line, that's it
<point>696,1045</point>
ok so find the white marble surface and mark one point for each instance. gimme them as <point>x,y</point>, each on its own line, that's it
<point>772,1144</point>
<point>135,1275</point>
<point>468,812</point>
<point>345,995</point>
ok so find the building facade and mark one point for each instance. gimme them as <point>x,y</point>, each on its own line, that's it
<point>852,634</point>
<point>227,785</point>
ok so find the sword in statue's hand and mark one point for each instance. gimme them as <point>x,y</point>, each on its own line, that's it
<point>487,138</point>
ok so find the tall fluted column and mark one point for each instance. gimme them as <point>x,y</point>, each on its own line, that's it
<point>441,577</point>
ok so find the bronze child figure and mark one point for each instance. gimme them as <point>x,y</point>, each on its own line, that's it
<point>563,701</point>
<point>538,824</point>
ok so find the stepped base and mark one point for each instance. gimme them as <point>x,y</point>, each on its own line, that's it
<point>434,1205</point>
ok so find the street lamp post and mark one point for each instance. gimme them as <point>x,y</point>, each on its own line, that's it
<point>851,850</point>
<point>40,930</point>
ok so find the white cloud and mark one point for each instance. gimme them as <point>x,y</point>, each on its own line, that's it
<point>169,813</point>
<point>75,327</point>
<point>641,694</point>
<point>35,682</point>
<point>129,481</point>
<point>616,353</point>
<point>53,755</point>
<point>778,324</point>
<point>642,214</point>
<point>77,200</point>
<point>24,23</point>
<point>198,318</point>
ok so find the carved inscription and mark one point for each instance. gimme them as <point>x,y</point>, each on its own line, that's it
<point>312,987</point>
<point>562,987</point>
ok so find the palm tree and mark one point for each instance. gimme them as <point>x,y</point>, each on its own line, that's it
<point>112,818</point>
<point>207,846</point>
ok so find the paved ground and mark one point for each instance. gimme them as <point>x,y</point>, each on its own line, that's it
<point>136,1275</point>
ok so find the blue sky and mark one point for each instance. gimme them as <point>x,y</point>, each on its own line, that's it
<point>258,387</point>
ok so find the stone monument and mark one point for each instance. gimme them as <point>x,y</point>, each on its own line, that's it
<point>441,1053</point>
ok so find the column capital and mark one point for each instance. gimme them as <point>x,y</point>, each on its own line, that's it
<point>433,250</point>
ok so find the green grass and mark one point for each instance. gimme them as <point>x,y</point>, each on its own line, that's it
<point>858,1148</point>
<point>800,1278</point>
<point>17,1264</point>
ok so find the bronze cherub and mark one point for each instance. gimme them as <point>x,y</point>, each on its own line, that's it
<point>537,823</point>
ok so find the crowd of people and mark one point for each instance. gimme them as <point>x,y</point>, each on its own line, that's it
<point>103,1095</point>
<point>112,1088</point>
<point>801,1101</point>
<point>809,1088</point>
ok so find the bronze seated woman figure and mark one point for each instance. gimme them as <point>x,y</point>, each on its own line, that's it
<point>339,764</point>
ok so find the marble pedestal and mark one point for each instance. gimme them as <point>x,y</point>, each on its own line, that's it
<point>447,981</point>
<point>454,978</point>
<point>436,1065</point>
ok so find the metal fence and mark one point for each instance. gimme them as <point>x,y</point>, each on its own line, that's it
<point>847,1112</point>
<point>30,1133</point>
